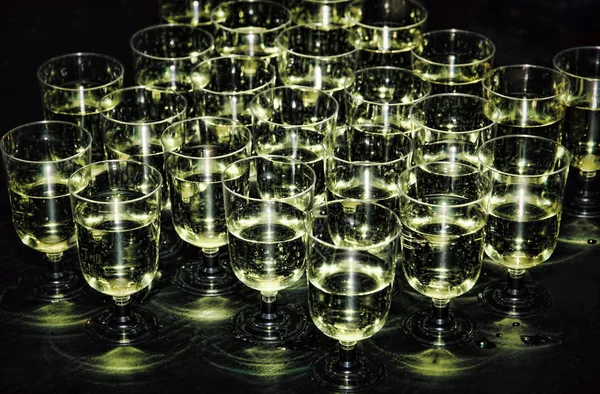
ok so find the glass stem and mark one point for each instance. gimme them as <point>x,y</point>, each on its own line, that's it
<point>440,313</point>
<point>122,315</point>
<point>347,359</point>
<point>211,267</point>
<point>515,287</point>
<point>55,268</point>
<point>268,306</point>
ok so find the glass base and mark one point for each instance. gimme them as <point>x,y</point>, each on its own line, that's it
<point>70,286</point>
<point>458,329</point>
<point>497,299</point>
<point>290,324</point>
<point>365,373</point>
<point>104,327</point>
<point>197,279</point>
<point>170,242</point>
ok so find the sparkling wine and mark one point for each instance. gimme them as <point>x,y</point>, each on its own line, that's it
<point>347,303</point>
<point>544,125</point>
<point>582,126</point>
<point>522,233</point>
<point>42,215</point>
<point>373,57</point>
<point>267,246</point>
<point>118,250</point>
<point>378,191</point>
<point>442,255</point>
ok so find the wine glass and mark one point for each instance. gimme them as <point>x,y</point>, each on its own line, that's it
<point>225,86</point>
<point>450,127</point>
<point>292,121</point>
<point>318,56</point>
<point>364,162</point>
<point>453,61</point>
<point>528,175</point>
<point>351,262</point>
<point>197,152</point>
<point>443,210</point>
<point>72,86</point>
<point>383,95</point>
<point>266,200</point>
<point>387,33</point>
<point>164,56</point>
<point>249,27</point>
<point>38,159</point>
<point>326,12</point>
<point>582,129</point>
<point>116,208</point>
<point>132,130</point>
<point>191,12</point>
<point>529,100</point>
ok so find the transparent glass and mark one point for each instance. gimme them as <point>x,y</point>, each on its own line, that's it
<point>450,127</point>
<point>443,210</point>
<point>388,30</point>
<point>453,61</point>
<point>164,56</point>
<point>383,95</point>
<point>582,128</point>
<point>225,86</point>
<point>318,56</point>
<point>350,287</point>
<point>528,175</point>
<point>38,159</point>
<point>116,208</point>
<point>197,152</point>
<point>529,100</point>
<point>326,12</point>
<point>72,86</point>
<point>266,200</point>
<point>132,129</point>
<point>249,27</point>
<point>364,162</point>
<point>191,12</point>
<point>292,121</point>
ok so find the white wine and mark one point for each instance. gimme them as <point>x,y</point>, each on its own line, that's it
<point>267,246</point>
<point>42,215</point>
<point>442,255</point>
<point>198,209</point>
<point>582,126</point>
<point>118,251</point>
<point>348,300</point>
<point>374,57</point>
<point>522,233</point>
<point>440,85</point>
<point>377,191</point>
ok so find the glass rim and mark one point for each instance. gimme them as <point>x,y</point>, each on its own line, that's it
<point>115,81</point>
<point>481,196</point>
<point>237,30</point>
<point>321,93</point>
<point>103,163</point>
<point>72,126</point>
<point>325,28</point>
<point>462,95</point>
<point>317,209</point>
<point>400,28</point>
<point>460,31</point>
<point>557,145</point>
<point>149,122</point>
<point>165,26</point>
<point>361,163</point>
<point>350,80</point>
<point>574,49</point>
<point>488,76</point>
<point>264,62</point>
<point>232,123</point>
<point>282,159</point>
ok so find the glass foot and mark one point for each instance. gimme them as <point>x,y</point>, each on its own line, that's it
<point>135,329</point>
<point>364,373</point>
<point>289,324</point>
<point>499,300</point>
<point>69,285</point>
<point>200,280</point>
<point>456,330</point>
<point>170,242</point>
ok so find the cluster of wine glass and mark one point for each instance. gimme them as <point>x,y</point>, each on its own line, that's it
<point>335,139</point>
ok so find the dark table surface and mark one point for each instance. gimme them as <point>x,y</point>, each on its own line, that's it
<point>44,347</point>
